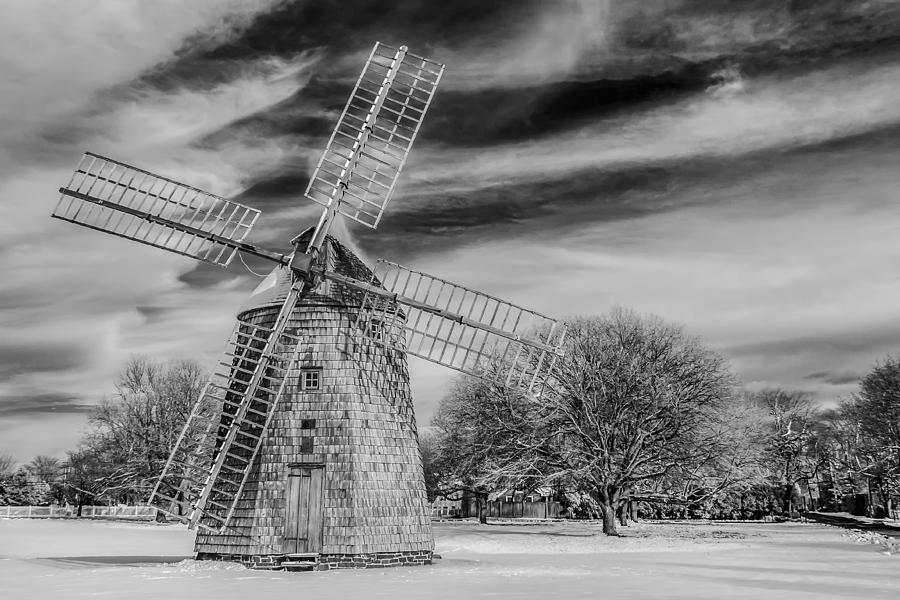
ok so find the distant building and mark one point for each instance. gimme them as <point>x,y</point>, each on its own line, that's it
<point>502,504</point>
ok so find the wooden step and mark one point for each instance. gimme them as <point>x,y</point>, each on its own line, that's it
<point>302,556</point>
<point>298,565</point>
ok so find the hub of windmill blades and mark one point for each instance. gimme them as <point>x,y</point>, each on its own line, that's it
<point>401,309</point>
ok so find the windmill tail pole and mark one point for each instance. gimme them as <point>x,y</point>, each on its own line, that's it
<point>256,380</point>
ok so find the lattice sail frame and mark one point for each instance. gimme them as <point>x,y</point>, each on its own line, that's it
<point>126,201</point>
<point>215,451</point>
<point>373,137</point>
<point>458,327</point>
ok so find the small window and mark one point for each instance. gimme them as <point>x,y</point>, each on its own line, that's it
<point>307,423</point>
<point>310,379</point>
<point>376,330</point>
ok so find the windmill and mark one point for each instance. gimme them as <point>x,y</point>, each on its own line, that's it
<point>302,448</point>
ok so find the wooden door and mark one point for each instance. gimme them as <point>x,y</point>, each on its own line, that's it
<point>303,526</point>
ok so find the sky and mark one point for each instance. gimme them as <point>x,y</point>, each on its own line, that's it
<point>727,166</point>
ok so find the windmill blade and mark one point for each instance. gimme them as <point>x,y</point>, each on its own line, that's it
<point>116,198</point>
<point>206,472</point>
<point>362,161</point>
<point>455,326</point>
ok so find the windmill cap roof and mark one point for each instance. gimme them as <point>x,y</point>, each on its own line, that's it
<point>334,256</point>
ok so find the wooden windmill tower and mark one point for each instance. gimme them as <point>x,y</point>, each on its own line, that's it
<point>302,449</point>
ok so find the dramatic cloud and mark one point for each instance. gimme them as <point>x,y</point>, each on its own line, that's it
<point>730,166</point>
<point>730,119</point>
<point>68,317</point>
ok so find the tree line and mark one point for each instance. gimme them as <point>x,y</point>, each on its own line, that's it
<point>639,417</point>
<point>130,436</point>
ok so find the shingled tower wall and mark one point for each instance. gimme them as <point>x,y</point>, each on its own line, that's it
<point>359,426</point>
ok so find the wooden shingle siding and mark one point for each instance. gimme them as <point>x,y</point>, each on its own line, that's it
<point>365,436</point>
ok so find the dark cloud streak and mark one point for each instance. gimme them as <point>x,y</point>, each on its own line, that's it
<point>23,358</point>
<point>834,378</point>
<point>437,221</point>
<point>41,404</point>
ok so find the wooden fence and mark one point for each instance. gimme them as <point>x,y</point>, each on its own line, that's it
<point>543,509</point>
<point>141,513</point>
<point>521,510</point>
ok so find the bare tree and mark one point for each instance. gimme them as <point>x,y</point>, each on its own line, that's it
<point>89,475</point>
<point>429,450</point>
<point>729,455</point>
<point>792,419</point>
<point>136,429</point>
<point>471,429</point>
<point>45,468</point>
<point>872,418</point>
<point>634,400</point>
<point>836,435</point>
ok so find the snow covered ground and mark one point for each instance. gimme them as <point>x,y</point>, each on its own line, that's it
<point>57,560</point>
